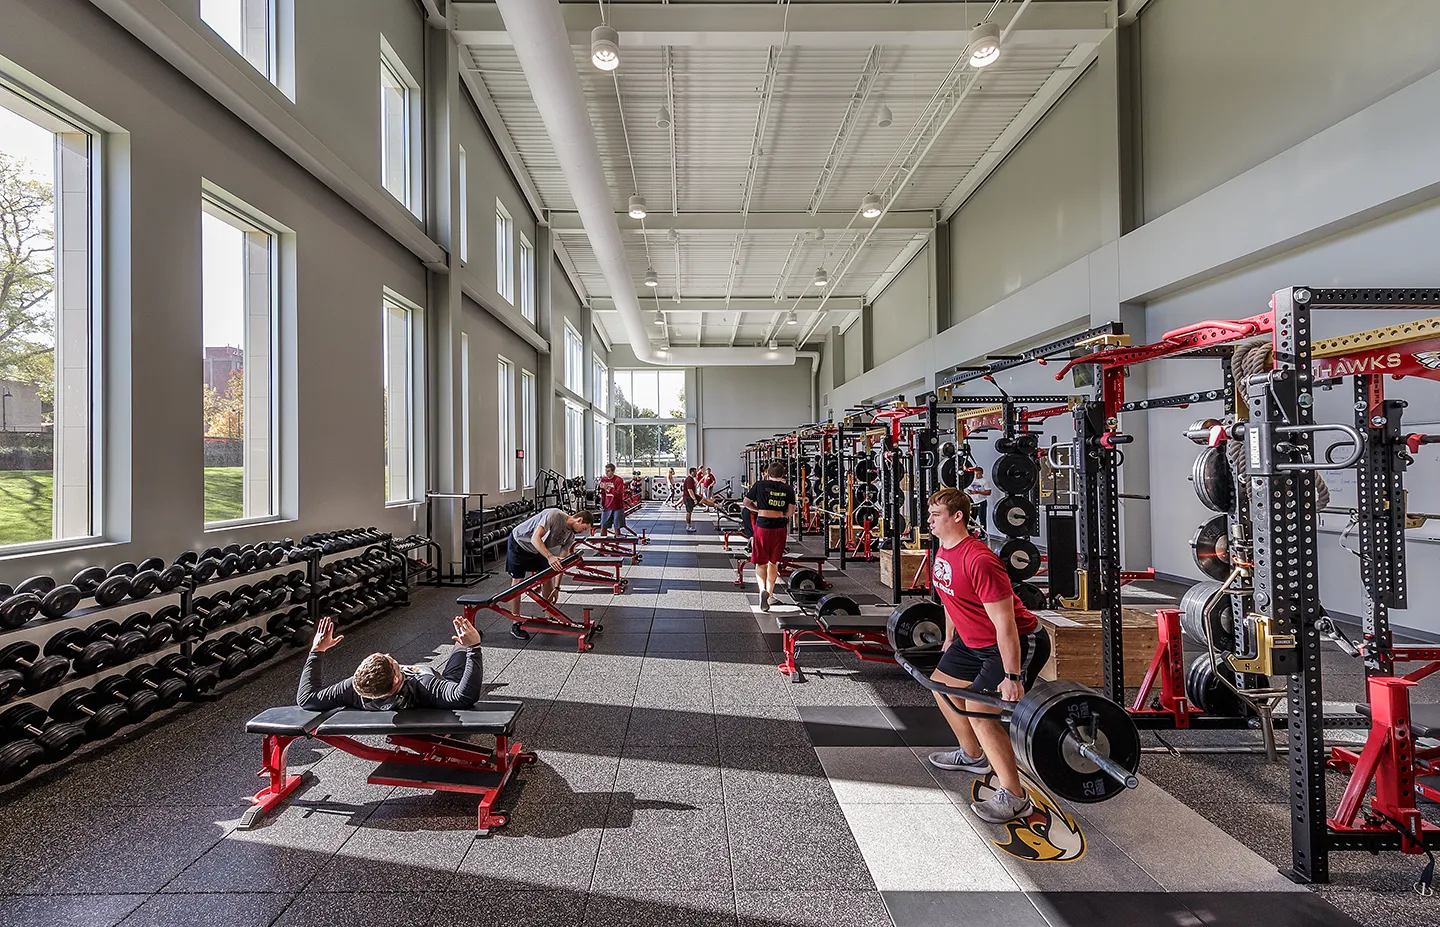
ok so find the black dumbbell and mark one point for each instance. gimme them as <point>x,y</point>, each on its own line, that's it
<point>18,758</point>
<point>12,681</point>
<point>293,626</point>
<point>85,656</point>
<point>116,585</point>
<point>198,679</point>
<point>223,656</point>
<point>99,716</point>
<point>56,601</point>
<point>168,689</point>
<point>18,608</point>
<point>213,611</point>
<point>157,631</point>
<point>167,578</point>
<point>268,643</point>
<point>37,673</point>
<point>138,701</point>
<point>57,739</point>
<point>128,644</point>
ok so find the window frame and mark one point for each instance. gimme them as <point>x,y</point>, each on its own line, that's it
<point>465,466</point>
<point>236,213</point>
<point>273,69</point>
<point>574,360</point>
<point>81,209</point>
<point>599,383</point>
<point>464,205</point>
<point>506,398</point>
<point>528,424</point>
<point>390,300</point>
<point>504,253</point>
<point>527,279</point>
<point>574,440</point>
<point>412,182</point>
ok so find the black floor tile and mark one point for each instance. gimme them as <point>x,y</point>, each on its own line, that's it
<point>972,909</point>
<point>920,725</point>
<point>849,726</point>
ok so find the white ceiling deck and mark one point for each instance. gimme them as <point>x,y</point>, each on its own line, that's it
<point>771,147</point>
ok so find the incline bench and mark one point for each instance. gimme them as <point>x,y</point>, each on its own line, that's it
<point>863,635</point>
<point>554,621</point>
<point>426,751</point>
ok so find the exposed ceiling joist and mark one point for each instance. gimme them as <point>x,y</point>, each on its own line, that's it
<point>832,25</point>
<point>918,220</point>
<point>806,304</point>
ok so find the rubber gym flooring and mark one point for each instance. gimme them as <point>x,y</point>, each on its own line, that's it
<point>681,780</point>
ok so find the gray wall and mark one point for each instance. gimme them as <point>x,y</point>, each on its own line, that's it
<point>1050,202</point>
<point>1226,84</point>
<point>488,341</point>
<point>902,312</point>
<point>739,405</point>
<point>489,180</point>
<point>854,348</point>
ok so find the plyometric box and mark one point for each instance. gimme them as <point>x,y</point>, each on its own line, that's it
<point>914,569</point>
<point>1076,644</point>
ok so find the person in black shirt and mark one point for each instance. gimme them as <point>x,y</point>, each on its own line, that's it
<point>380,683</point>
<point>773,501</point>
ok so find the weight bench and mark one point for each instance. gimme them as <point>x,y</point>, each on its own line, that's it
<point>599,571</point>
<point>554,621</point>
<point>862,635</point>
<point>425,753</point>
<point>788,562</point>
<point>729,526</point>
<point>614,546</point>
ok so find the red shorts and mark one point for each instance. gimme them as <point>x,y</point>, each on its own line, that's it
<point>768,545</point>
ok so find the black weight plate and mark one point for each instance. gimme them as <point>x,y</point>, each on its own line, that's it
<point>94,656</point>
<point>1211,546</point>
<point>1030,595</point>
<point>1205,686</point>
<point>229,565</point>
<point>917,624</point>
<point>60,601</point>
<point>112,591</point>
<point>805,584</point>
<point>102,628</point>
<point>1021,559</point>
<point>866,493</point>
<point>1016,473</point>
<point>189,558</point>
<point>863,513</point>
<point>170,578</point>
<point>206,569</point>
<point>1015,516</point>
<point>36,585</point>
<point>865,470</point>
<point>107,720</point>
<point>1040,731</point>
<point>229,549</point>
<point>964,477</point>
<point>1194,616</point>
<point>18,758</point>
<point>11,682</point>
<point>87,579</point>
<point>249,560</point>
<point>59,739</point>
<point>1214,485</point>
<point>152,563</point>
<point>18,609</point>
<point>835,603</point>
<point>46,673</point>
<point>124,569</point>
<point>143,583</point>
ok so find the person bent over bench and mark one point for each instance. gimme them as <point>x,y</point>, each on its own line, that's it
<point>380,683</point>
<point>538,543</point>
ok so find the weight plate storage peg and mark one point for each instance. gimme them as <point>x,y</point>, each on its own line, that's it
<point>805,584</point>
<point>1015,516</point>
<point>1021,559</point>
<point>1214,485</point>
<point>1219,616</point>
<point>917,624</point>
<point>1016,473</point>
<point>836,603</point>
<point>1211,546</point>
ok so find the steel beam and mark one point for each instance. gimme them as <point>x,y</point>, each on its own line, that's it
<point>919,220</point>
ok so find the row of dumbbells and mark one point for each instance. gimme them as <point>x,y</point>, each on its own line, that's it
<point>360,602</point>
<point>45,596</point>
<point>33,736</point>
<point>333,542</point>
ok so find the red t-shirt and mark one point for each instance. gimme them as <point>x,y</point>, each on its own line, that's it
<point>967,576</point>
<point>689,487</point>
<point>612,493</point>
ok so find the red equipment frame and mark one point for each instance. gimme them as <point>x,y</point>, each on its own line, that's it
<point>868,645</point>
<point>554,621</point>
<point>788,563</point>
<point>1168,665</point>
<point>435,752</point>
<point>611,545</point>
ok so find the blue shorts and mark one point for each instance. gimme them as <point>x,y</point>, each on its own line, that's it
<point>612,518</point>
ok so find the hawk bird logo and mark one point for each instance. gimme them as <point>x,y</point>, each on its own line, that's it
<point>1046,835</point>
<point>1430,359</point>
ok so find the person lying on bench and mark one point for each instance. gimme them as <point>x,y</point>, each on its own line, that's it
<point>537,543</point>
<point>380,683</point>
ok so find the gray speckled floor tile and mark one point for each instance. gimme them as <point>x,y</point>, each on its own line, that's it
<point>541,908</point>
<point>398,849</point>
<point>652,844</point>
<point>330,909</point>
<point>800,846</point>
<point>230,909</point>
<point>760,726</point>
<point>679,774</point>
<point>767,774</point>
<point>661,908</point>
<point>67,910</point>
<point>661,727</point>
<point>811,909</point>
<point>143,855</point>
<point>548,846</point>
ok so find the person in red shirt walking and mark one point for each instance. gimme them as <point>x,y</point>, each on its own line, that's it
<point>612,501</point>
<point>992,642</point>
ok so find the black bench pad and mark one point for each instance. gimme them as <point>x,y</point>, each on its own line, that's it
<point>1424,719</point>
<point>485,718</point>
<point>288,720</point>
<point>604,561</point>
<point>840,624</point>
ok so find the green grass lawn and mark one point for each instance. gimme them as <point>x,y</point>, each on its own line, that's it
<point>25,501</point>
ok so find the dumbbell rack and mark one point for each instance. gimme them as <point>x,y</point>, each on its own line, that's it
<point>445,574</point>
<point>41,630</point>
<point>497,522</point>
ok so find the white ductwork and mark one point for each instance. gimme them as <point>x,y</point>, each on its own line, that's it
<point>542,46</point>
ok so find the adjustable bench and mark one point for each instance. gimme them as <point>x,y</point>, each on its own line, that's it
<point>788,562</point>
<point>426,751</point>
<point>599,571</point>
<point>554,621</point>
<point>862,635</point>
<point>614,545</point>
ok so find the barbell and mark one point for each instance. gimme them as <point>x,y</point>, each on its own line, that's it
<point>1079,745</point>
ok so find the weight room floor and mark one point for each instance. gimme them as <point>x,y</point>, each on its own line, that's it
<point>681,780</point>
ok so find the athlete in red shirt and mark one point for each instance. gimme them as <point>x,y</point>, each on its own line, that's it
<point>992,642</point>
<point>612,501</point>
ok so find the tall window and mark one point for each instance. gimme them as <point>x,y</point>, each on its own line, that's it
<point>507,425</point>
<point>399,402</point>
<point>464,412</point>
<point>599,384</point>
<point>574,361</point>
<point>527,419</point>
<point>248,26</point>
<point>527,280</point>
<point>464,207</point>
<point>601,444</point>
<point>398,93</point>
<point>650,419</point>
<point>48,279</point>
<point>574,440</point>
<point>504,254</point>
<point>239,289</point>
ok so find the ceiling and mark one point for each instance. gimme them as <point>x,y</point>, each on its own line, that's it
<point>774,140</point>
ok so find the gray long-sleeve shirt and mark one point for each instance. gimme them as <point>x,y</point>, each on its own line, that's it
<point>419,690</point>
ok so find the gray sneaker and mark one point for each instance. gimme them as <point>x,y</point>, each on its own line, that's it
<point>764,601</point>
<point>959,759</point>
<point>1001,807</point>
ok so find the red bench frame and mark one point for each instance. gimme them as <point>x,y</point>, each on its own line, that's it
<point>554,621</point>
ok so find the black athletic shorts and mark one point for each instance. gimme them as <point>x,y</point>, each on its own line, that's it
<point>520,563</point>
<point>983,668</point>
<point>690,504</point>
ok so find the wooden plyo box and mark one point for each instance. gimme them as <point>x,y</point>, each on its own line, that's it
<point>1075,645</point>
<point>913,570</point>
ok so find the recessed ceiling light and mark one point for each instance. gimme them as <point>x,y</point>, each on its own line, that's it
<point>605,48</point>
